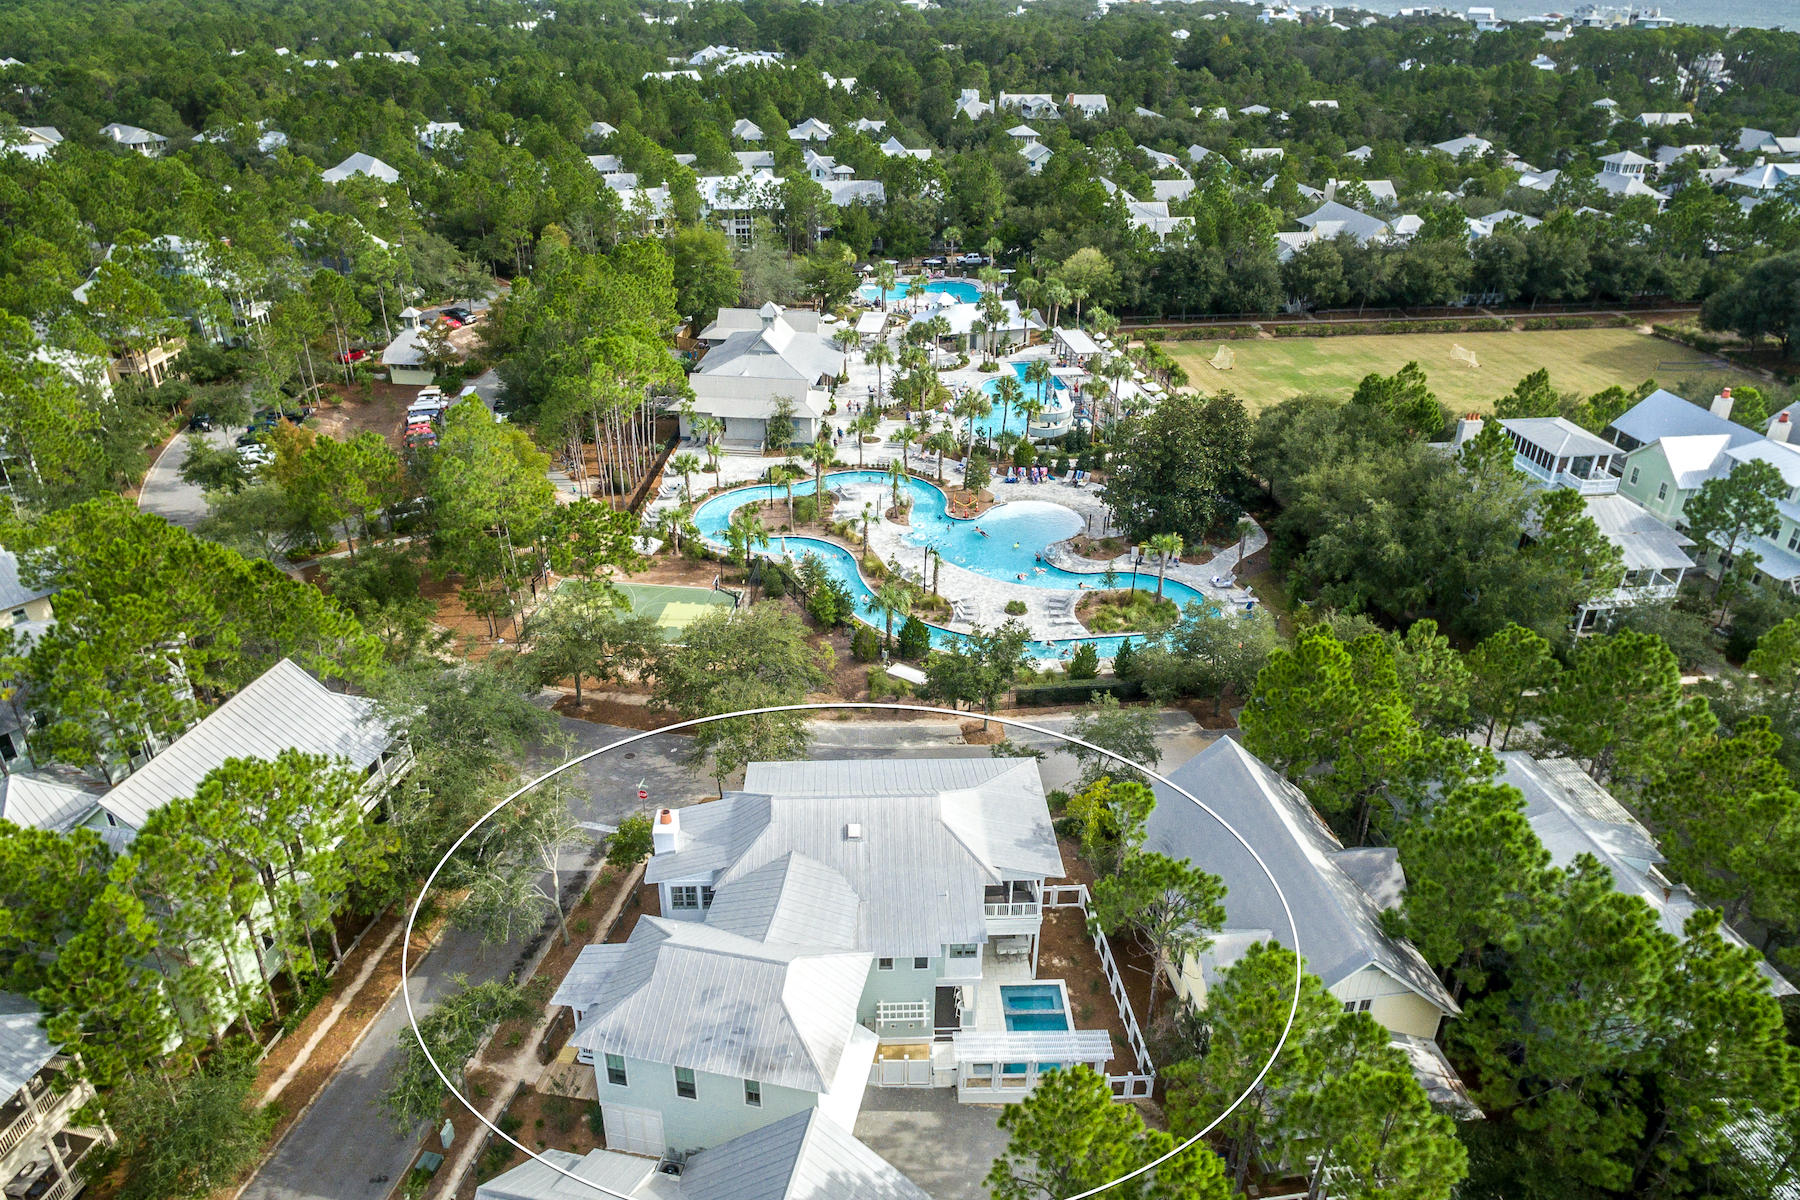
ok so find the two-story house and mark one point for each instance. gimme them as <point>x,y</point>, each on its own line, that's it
<point>1622,174</point>
<point>1336,897</point>
<point>756,360</point>
<point>830,926</point>
<point>1672,447</point>
<point>42,1148</point>
<point>1556,453</point>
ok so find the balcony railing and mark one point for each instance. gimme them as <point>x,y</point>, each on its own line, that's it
<point>40,1108</point>
<point>1014,908</point>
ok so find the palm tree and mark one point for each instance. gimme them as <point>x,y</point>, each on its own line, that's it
<point>1055,295</point>
<point>971,407</point>
<point>844,338</point>
<point>1031,410</point>
<point>892,599</point>
<point>685,465</point>
<point>1010,391</point>
<point>782,475</point>
<point>915,287</point>
<point>897,473</point>
<point>708,429</point>
<point>884,279</point>
<point>1097,389</point>
<point>1165,546</point>
<point>862,425</point>
<point>879,356</point>
<point>677,523</point>
<point>944,442</point>
<point>939,326</point>
<point>820,454</point>
<point>906,435</point>
<point>868,518</point>
<point>1078,294</point>
<point>745,531</point>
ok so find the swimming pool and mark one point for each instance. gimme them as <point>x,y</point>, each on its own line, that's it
<point>1054,418</point>
<point>962,290</point>
<point>1034,1006</point>
<point>1004,543</point>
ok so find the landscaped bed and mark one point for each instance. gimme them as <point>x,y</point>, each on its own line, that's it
<point>1133,611</point>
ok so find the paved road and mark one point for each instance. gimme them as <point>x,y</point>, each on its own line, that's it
<point>164,492</point>
<point>347,1148</point>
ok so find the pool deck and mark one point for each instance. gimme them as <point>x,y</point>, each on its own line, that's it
<point>978,599</point>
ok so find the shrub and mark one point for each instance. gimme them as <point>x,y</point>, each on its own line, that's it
<point>774,584</point>
<point>915,639</point>
<point>977,471</point>
<point>1125,662</point>
<point>1024,453</point>
<point>883,686</point>
<point>806,509</point>
<point>1042,695</point>
<point>1015,608</point>
<point>1085,662</point>
<point>865,644</point>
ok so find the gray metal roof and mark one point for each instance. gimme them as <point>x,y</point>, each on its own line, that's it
<point>1560,436</point>
<point>284,708</point>
<point>1572,815</point>
<point>38,803</point>
<point>693,996</point>
<point>1663,414</point>
<point>1341,218</point>
<point>778,351</point>
<point>794,900</point>
<point>933,833</point>
<point>587,974</point>
<point>807,1156</point>
<point>24,1048</point>
<point>14,591</point>
<point>532,1180</point>
<point>1443,1086</point>
<point>1339,923</point>
<point>1644,542</point>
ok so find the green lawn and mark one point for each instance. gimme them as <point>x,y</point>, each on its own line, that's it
<point>1268,371</point>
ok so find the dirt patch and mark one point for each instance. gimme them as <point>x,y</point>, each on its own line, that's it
<point>974,733</point>
<point>378,406</point>
<point>1099,549</point>
<point>1066,952</point>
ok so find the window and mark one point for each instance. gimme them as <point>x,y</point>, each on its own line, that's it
<point>706,895</point>
<point>1634,475</point>
<point>684,896</point>
<point>684,1084</point>
<point>1357,1005</point>
<point>18,614</point>
<point>615,1070</point>
<point>752,1093</point>
<point>921,963</point>
<point>1662,491</point>
<point>1793,542</point>
<point>964,950</point>
<point>884,964</point>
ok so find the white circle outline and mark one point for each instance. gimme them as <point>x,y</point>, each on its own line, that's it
<point>406,939</point>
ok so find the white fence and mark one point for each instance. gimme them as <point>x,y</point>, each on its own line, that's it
<point>900,1012</point>
<point>1136,1085</point>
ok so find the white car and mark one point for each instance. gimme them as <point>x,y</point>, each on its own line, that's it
<point>256,454</point>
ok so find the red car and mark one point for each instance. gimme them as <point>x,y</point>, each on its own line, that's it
<point>352,356</point>
<point>449,320</point>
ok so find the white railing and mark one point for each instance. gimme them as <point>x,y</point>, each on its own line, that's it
<point>900,1012</point>
<point>21,1125</point>
<point>1013,908</point>
<point>1125,1087</point>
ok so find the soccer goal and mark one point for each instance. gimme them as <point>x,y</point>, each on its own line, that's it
<point>1465,356</point>
<point>1224,358</point>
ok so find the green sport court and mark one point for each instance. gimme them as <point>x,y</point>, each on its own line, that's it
<point>673,606</point>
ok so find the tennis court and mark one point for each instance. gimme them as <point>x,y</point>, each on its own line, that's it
<point>674,607</point>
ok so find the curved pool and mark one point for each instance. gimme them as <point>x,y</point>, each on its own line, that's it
<point>1055,416</point>
<point>1004,543</point>
<point>962,290</point>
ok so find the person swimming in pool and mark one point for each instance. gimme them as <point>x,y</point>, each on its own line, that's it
<point>981,531</point>
<point>1015,547</point>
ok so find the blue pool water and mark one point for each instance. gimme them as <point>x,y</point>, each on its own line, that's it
<point>1035,1006</point>
<point>1014,421</point>
<point>960,289</point>
<point>1014,535</point>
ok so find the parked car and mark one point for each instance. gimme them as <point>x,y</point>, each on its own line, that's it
<point>352,356</point>
<point>256,454</point>
<point>452,322</point>
<point>416,437</point>
<point>201,422</point>
<point>973,259</point>
<point>461,315</point>
<point>250,437</point>
<point>935,260</point>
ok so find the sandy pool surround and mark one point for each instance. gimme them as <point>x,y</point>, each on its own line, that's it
<point>412,915</point>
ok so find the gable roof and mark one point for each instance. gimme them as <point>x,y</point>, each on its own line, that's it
<point>1339,924</point>
<point>38,803</point>
<point>1560,436</point>
<point>284,708</point>
<point>1645,543</point>
<point>932,834</point>
<point>1572,815</point>
<point>623,1174</point>
<point>1332,218</point>
<point>775,351</point>
<point>1663,414</point>
<point>360,164</point>
<point>24,1047</point>
<point>694,996</point>
<point>794,900</point>
<point>14,591</point>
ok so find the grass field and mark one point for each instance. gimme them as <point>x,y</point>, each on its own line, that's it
<point>1269,371</point>
<point>673,606</point>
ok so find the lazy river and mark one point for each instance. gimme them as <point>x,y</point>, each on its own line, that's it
<point>962,290</point>
<point>1004,543</point>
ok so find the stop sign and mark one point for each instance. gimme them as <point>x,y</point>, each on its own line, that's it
<point>643,793</point>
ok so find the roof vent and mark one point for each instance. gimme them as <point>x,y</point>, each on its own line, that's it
<point>853,832</point>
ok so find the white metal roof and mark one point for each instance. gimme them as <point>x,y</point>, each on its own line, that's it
<point>24,1048</point>
<point>807,1156</point>
<point>14,591</point>
<point>1077,341</point>
<point>284,708</point>
<point>1339,924</point>
<point>1560,436</point>
<point>1663,414</point>
<point>360,164</point>
<point>1695,458</point>
<point>933,834</point>
<point>793,900</point>
<point>624,1174</point>
<point>38,803</point>
<point>1645,543</point>
<point>690,995</point>
<point>1034,1045</point>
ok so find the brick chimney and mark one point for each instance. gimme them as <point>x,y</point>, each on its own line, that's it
<point>665,830</point>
